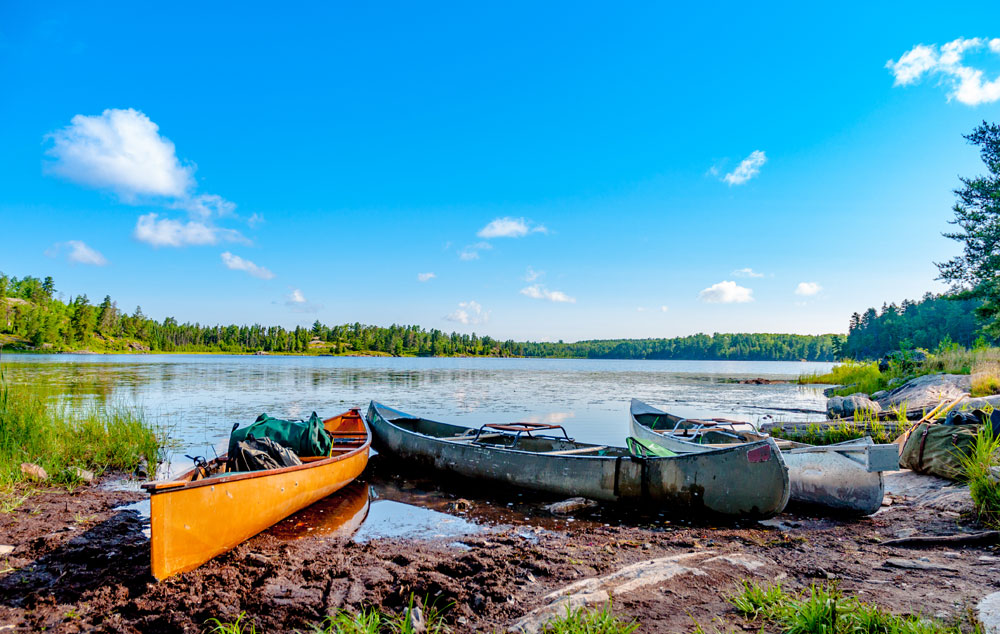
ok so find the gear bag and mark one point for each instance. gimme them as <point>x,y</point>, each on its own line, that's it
<point>938,449</point>
<point>257,454</point>
<point>304,438</point>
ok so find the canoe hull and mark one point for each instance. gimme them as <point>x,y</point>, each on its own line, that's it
<point>193,523</point>
<point>749,480</point>
<point>828,479</point>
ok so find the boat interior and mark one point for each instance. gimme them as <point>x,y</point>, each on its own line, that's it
<point>715,431</point>
<point>347,433</point>
<point>538,438</point>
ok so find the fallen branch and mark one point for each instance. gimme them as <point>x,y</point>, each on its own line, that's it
<point>930,540</point>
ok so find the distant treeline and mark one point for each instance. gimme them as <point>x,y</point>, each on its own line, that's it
<point>32,315</point>
<point>930,323</point>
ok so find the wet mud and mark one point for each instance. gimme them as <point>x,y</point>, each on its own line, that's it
<point>81,561</point>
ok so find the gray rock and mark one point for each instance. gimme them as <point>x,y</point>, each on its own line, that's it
<point>988,612</point>
<point>981,402</point>
<point>846,406</point>
<point>924,393</point>
<point>877,395</point>
<point>916,564</point>
<point>570,506</point>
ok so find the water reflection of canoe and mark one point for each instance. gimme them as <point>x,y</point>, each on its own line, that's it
<point>194,518</point>
<point>337,516</point>
<point>845,476</point>
<point>741,480</point>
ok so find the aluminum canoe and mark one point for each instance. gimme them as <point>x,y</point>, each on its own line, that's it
<point>745,480</point>
<point>846,477</point>
<point>194,518</point>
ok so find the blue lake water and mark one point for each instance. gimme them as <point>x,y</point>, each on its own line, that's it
<point>197,398</point>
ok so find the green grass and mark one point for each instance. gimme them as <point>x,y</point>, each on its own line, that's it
<point>824,609</point>
<point>982,469</point>
<point>374,621</point>
<point>864,377</point>
<point>35,428</point>
<point>865,423</point>
<point>588,621</point>
<point>239,626</point>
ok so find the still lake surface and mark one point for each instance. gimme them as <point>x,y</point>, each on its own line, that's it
<point>197,398</point>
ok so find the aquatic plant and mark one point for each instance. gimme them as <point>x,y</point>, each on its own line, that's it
<point>36,428</point>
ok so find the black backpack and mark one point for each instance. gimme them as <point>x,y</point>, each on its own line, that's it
<point>257,454</point>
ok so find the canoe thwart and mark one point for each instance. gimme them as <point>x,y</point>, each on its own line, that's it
<point>567,452</point>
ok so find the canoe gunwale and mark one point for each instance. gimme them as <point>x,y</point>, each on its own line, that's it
<point>178,484</point>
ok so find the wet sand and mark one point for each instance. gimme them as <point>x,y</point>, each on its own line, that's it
<point>81,563</point>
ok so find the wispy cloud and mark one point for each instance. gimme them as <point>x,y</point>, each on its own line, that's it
<point>471,252</point>
<point>727,292</point>
<point>166,232</point>
<point>537,291</point>
<point>77,252</point>
<point>966,83</point>
<point>469,313</point>
<point>122,151</point>
<point>808,289</point>
<point>425,277</point>
<point>747,169</point>
<point>531,275</point>
<point>747,272</point>
<point>508,227</point>
<point>236,263</point>
<point>298,303</point>
<point>664,309</point>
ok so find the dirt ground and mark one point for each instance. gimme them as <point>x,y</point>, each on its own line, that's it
<point>80,565</point>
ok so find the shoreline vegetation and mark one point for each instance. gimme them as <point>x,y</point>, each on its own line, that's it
<point>37,429</point>
<point>34,319</point>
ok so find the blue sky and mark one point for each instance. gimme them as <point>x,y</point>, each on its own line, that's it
<point>565,171</point>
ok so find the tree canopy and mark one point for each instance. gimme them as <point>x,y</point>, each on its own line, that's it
<point>976,273</point>
<point>32,314</point>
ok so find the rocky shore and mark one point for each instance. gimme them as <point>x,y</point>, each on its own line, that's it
<point>79,563</point>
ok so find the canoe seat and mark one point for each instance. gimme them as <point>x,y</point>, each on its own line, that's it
<point>566,452</point>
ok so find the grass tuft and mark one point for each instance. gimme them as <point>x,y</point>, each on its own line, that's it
<point>587,621</point>
<point>824,609</point>
<point>982,469</point>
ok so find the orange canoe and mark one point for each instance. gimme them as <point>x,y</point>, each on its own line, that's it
<point>195,518</point>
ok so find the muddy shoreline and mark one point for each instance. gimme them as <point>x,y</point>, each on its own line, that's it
<point>79,564</point>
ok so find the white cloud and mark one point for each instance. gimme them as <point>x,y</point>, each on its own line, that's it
<point>808,288</point>
<point>471,252</point>
<point>531,275</point>
<point>425,277</point>
<point>967,84</point>
<point>664,309</point>
<point>726,293</point>
<point>747,272</point>
<point>537,291</point>
<point>747,169</point>
<point>120,150</point>
<point>297,302</point>
<point>255,219</point>
<point>165,232</point>
<point>508,227</point>
<point>469,313</point>
<point>236,263</point>
<point>79,253</point>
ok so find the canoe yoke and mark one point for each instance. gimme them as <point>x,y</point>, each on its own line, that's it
<point>521,428</point>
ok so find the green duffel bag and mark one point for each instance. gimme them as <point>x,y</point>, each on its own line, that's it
<point>305,438</point>
<point>938,449</point>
